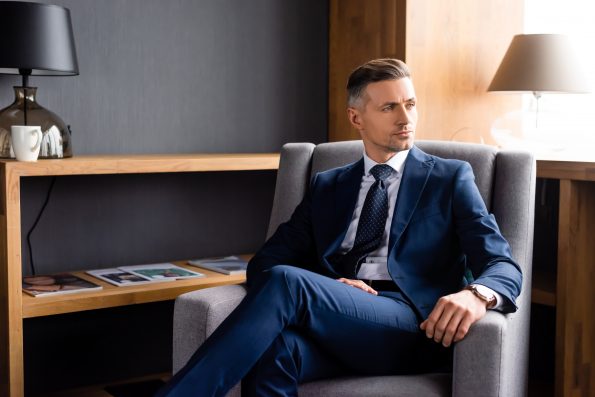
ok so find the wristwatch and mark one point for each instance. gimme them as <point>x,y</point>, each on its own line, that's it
<point>483,293</point>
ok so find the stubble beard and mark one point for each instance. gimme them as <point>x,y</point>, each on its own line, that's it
<point>397,144</point>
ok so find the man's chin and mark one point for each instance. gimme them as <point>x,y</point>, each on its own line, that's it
<point>401,145</point>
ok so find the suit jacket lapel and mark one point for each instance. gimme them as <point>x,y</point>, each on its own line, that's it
<point>346,194</point>
<point>415,175</point>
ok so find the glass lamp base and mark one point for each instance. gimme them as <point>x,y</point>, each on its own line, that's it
<point>519,130</point>
<point>25,110</point>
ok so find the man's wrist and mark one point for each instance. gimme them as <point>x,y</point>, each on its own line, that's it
<point>484,294</point>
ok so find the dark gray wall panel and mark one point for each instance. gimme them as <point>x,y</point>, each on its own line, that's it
<point>116,220</point>
<point>183,76</point>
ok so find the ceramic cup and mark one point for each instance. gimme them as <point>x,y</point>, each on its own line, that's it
<point>26,140</point>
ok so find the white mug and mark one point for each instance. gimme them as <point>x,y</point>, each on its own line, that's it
<point>26,140</point>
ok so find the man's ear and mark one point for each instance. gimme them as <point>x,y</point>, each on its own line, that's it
<point>354,117</point>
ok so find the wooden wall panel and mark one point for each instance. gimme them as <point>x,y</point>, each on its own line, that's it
<point>359,30</point>
<point>453,48</point>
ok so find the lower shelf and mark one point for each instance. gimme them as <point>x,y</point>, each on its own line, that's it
<point>113,296</point>
<point>543,291</point>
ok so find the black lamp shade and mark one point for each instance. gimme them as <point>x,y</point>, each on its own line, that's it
<point>36,37</point>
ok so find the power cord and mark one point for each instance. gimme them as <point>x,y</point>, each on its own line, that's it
<point>47,199</point>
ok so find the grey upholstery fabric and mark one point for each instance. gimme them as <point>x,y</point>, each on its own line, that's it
<point>336,154</point>
<point>202,311</point>
<point>430,385</point>
<point>292,181</point>
<point>490,361</point>
<point>196,315</point>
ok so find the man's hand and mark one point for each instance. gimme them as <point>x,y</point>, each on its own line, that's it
<point>452,317</point>
<point>358,284</point>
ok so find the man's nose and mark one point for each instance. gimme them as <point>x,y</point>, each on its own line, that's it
<point>402,116</point>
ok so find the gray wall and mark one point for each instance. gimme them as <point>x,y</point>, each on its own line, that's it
<point>159,76</point>
<point>181,76</point>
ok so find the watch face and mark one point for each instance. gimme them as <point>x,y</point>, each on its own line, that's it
<point>485,292</point>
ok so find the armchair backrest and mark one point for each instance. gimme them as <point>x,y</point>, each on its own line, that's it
<point>506,182</point>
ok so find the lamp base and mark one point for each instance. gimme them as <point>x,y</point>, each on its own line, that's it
<point>519,130</point>
<point>25,110</point>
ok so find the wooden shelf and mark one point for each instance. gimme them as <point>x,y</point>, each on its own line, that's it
<point>113,296</point>
<point>566,169</point>
<point>543,291</point>
<point>15,306</point>
<point>144,164</point>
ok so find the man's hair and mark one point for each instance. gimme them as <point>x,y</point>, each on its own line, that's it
<point>371,72</point>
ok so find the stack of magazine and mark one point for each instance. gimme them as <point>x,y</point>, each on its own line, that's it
<point>225,264</point>
<point>55,284</point>
<point>66,283</point>
<point>143,274</point>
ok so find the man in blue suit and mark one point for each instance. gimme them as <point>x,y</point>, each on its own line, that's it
<point>368,275</point>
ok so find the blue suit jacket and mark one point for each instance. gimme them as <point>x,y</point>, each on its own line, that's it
<point>440,227</point>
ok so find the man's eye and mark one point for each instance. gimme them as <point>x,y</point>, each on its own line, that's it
<point>410,105</point>
<point>387,108</point>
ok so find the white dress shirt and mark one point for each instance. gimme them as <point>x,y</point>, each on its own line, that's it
<point>375,267</point>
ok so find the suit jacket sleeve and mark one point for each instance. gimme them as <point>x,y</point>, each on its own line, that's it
<point>487,252</point>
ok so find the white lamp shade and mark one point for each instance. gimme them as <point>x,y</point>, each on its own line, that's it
<point>540,63</point>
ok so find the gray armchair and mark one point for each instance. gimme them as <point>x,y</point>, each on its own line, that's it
<point>490,361</point>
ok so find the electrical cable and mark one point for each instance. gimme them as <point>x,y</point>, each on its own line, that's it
<point>47,199</point>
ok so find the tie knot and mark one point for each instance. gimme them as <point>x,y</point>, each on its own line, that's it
<point>381,171</point>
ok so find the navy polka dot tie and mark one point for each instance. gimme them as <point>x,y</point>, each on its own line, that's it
<point>372,222</point>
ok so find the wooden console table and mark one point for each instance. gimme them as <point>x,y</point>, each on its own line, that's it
<point>15,306</point>
<point>573,290</point>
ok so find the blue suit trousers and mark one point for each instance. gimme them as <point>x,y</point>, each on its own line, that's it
<point>295,326</point>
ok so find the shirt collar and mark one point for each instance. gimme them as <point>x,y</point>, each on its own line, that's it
<point>397,162</point>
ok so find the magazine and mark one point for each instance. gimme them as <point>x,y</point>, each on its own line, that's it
<point>225,265</point>
<point>122,278</point>
<point>161,271</point>
<point>55,284</point>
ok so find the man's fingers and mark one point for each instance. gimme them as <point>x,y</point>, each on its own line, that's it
<point>433,318</point>
<point>441,326</point>
<point>452,317</point>
<point>452,328</point>
<point>463,328</point>
<point>358,284</point>
<point>363,286</point>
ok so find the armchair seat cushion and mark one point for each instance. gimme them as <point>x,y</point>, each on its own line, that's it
<point>428,385</point>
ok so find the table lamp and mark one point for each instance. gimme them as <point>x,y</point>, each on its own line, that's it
<point>35,40</point>
<point>540,63</point>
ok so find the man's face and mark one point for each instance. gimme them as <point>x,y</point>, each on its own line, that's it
<point>386,118</point>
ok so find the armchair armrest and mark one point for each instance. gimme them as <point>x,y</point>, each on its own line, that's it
<point>197,314</point>
<point>478,358</point>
